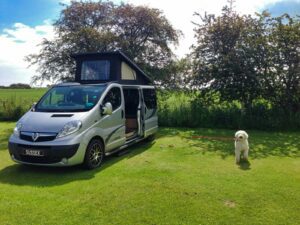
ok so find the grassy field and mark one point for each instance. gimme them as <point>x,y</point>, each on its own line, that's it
<point>22,94</point>
<point>15,102</point>
<point>175,180</point>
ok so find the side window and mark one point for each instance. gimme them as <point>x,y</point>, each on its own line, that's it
<point>150,98</point>
<point>127,72</point>
<point>95,70</point>
<point>114,97</point>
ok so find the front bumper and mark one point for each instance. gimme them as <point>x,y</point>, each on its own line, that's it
<point>57,155</point>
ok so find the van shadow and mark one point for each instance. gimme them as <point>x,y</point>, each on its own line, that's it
<point>23,175</point>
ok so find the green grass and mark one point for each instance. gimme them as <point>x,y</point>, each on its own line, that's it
<point>174,180</point>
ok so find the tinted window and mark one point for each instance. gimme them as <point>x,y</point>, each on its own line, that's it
<point>95,70</point>
<point>150,98</point>
<point>114,97</point>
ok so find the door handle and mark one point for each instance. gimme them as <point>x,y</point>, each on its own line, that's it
<point>122,114</point>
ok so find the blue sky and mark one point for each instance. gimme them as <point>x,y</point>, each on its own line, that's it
<point>24,23</point>
<point>29,12</point>
<point>287,6</point>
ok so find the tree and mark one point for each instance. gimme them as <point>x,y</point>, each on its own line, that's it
<point>222,56</point>
<point>282,74</point>
<point>244,57</point>
<point>177,75</point>
<point>19,86</point>
<point>143,33</point>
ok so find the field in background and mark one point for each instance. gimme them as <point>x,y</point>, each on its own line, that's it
<point>28,95</point>
<point>177,179</point>
<point>15,102</point>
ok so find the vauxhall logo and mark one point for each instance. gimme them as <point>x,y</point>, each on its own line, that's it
<point>35,136</point>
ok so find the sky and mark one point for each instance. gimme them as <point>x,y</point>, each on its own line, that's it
<point>25,23</point>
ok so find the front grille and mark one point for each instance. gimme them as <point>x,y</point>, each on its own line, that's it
<point>42,160</point>
<point>34,147</point>
<point>28,136</point>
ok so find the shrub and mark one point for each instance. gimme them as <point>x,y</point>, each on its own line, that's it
<point>11,110</point>
<point>194,109</point>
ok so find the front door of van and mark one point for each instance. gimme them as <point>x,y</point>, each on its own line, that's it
<point>114,124</point>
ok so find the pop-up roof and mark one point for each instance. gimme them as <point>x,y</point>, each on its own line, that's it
<point>108,67</point>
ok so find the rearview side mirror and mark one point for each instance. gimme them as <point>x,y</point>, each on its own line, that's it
<point>107,109</point>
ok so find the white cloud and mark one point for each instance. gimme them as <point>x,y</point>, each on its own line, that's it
<point>16,43</point>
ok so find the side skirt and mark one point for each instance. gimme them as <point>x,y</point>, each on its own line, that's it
<point>127,144</point>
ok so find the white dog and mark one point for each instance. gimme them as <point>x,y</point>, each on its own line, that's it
<point>241,145</point>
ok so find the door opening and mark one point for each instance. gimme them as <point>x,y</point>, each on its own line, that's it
<point>132,105</point>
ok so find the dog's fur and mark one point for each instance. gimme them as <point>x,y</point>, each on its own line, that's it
<point>241,145</point>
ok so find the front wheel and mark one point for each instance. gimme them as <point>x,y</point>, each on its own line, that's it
<point>94,154</point>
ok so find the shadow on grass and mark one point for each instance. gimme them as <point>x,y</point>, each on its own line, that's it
<point>52,176</point>
<point>218,141</point>
<point>245,165</point>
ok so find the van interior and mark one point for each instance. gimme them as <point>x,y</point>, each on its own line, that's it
<point>132,103</point>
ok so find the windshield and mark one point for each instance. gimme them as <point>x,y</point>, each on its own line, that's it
<point>70,98</point>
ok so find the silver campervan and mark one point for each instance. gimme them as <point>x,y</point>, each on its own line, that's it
<point>110,106</point>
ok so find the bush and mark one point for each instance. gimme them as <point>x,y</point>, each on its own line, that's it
<point>11,110</point>
<point>194,109</point>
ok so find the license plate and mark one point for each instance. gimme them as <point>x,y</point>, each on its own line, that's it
<point>30,152</point>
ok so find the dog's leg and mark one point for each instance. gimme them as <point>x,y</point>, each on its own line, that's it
<point>237,157</point>
<point>246,155</point>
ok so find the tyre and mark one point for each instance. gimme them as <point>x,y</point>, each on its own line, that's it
<point>94,154</point>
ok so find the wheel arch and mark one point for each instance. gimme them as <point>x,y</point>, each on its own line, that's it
<point>97,137</point>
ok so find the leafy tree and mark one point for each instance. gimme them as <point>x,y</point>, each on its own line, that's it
<point>244,57</point>
<point>143,33</point>
<point>176,75</point>
<point>222,56</point>
<point>282,74</point>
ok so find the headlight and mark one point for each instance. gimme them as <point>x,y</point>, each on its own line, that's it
<point>69,128</point>
<point>17,129</point>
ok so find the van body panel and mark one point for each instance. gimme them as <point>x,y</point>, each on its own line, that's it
<point>150,111</point>
<point>32,121</point>
<point>109,128</point>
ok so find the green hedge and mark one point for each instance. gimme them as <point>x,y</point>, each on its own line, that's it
<point>181,109</point>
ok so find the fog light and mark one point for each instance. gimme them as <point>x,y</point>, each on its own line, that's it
<point>64,161</point>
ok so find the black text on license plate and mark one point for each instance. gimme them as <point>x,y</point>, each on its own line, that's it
<point>33,152</point>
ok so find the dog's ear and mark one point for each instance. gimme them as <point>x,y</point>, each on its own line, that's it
<point>236,134</point>
<point>246,135</point>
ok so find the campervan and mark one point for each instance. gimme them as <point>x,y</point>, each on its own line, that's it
<point>110,106</point>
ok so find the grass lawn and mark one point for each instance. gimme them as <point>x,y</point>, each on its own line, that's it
<point>174,180</point>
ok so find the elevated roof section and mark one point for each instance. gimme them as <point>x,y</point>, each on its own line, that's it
<point>103,67</point>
